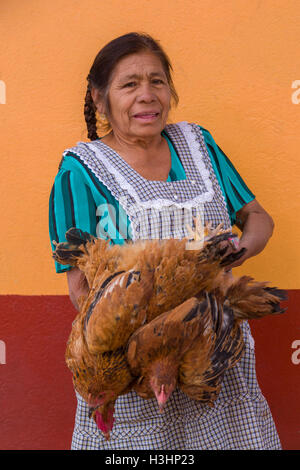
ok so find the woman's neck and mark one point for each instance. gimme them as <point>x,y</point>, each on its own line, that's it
<point>136,149</point>
<point>151,159</point>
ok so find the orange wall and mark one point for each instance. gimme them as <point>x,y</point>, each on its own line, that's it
<point>234,65</point>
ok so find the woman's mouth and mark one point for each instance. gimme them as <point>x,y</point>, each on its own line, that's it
<point>146,117</point>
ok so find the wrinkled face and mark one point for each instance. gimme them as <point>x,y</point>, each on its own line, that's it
<point>139,97</point>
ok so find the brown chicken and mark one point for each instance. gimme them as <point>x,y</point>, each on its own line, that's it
<point>193,345</point>
<point>129,286</point>
<point>155,350</point>
<point>95,351</point>
<point>98,378</point>
<point>221,346</point>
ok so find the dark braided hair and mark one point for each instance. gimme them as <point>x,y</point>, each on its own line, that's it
<point>103,66</point>
<point>90,115</point>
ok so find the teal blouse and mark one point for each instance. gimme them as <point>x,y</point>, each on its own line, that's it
<point>77,193</point>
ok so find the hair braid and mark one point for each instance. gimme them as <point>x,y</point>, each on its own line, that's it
<point>90,115</point>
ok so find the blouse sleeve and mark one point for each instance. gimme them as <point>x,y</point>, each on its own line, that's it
<point>71,205</point>
<point>234,188</point>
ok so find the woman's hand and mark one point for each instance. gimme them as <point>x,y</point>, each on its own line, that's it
<point>256,226</point>
<point>77,285</point>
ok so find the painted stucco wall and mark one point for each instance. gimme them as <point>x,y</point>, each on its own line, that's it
<point>236,70</point>
<point>235,63</point>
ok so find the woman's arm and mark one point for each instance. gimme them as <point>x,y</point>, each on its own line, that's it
<point>77,285</point>
<point>256,226</point>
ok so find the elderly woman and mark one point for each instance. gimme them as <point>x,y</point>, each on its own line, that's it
<point>145,179</point>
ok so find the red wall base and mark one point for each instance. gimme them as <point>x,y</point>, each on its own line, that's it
<point>278,368</point>
<point>37,400</point>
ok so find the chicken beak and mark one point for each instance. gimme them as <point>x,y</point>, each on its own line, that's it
<point>106,435</point>
<point>162,398</point>
<point>92,409</point>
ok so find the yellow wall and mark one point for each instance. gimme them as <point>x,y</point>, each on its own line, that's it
<point>234,65</point>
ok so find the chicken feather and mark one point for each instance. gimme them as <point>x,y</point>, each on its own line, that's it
<point>252,299</point>
<point>221,347</point>
<point>118,309</point>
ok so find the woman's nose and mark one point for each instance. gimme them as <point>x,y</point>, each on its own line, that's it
<point>146,94</point>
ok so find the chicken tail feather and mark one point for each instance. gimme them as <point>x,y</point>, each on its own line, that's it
<point>250,299</point>
<point>281,294</point>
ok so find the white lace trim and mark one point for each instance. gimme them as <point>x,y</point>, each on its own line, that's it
<point>190,137</point>
<point>158,203</point>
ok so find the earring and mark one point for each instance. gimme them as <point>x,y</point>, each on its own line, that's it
<point>103,119</point>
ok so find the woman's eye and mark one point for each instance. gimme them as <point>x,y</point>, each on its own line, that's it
<point>157,81</point>
<point>129,85</point>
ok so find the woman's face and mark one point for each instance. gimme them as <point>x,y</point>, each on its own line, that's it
<point>139,97</point>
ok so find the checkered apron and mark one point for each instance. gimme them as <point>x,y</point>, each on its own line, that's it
<point>241,418</point>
